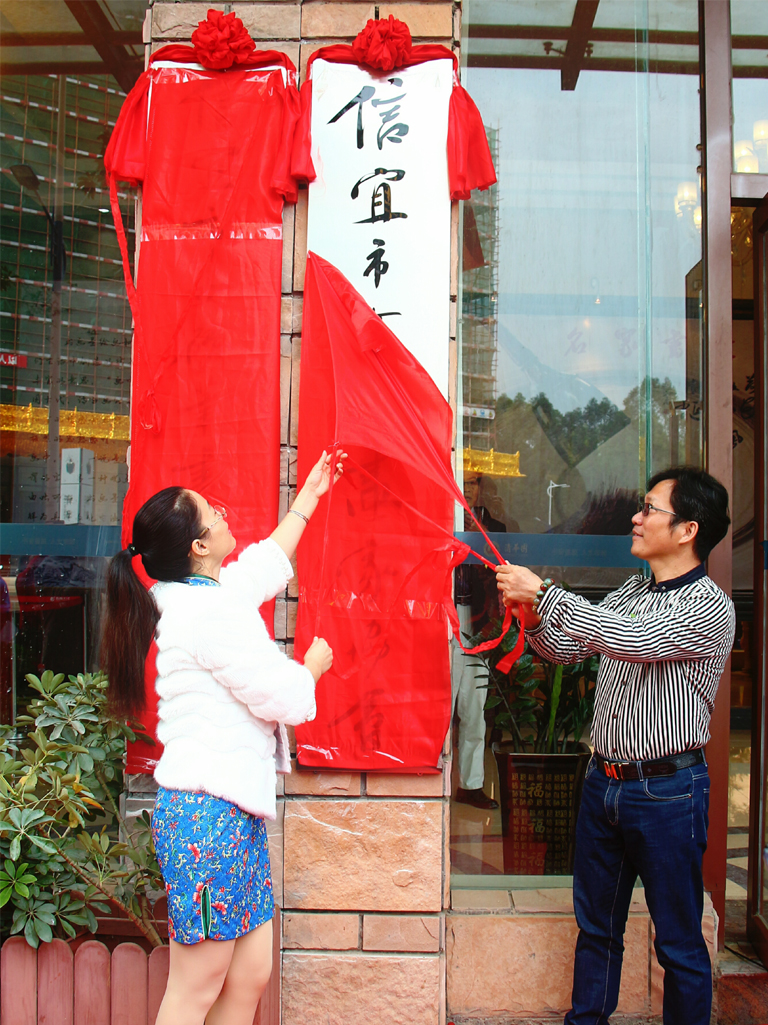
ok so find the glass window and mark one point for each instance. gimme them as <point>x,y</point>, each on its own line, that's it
<point>580,344</point>
<point>67,335</point>
<point>749,60</point>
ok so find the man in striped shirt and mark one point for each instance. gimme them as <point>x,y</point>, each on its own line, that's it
<point>664,642</point>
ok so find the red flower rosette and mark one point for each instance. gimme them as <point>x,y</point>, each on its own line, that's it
<point>221,41</point>
<point>384,44</point>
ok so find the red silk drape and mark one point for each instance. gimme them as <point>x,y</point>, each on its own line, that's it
<point>212,152</point>
<point>470,165</point>
<point>375,571</point>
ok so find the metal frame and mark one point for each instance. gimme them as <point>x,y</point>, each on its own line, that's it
<point>715,56</point>
<point>95,24</point>
<point>110,44</point>
<point>578,56</point>
<point>757,923</point>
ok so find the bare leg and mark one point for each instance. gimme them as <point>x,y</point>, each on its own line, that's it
<point>246,979</point>
<point>195,978</point>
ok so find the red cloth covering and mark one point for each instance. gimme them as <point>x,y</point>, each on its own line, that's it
<point>375,572</point>
<point>470,165</point>
<point>211,152</point>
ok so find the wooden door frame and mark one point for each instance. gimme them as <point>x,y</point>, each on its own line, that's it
<point>715,63</point>
<point>757,923</point>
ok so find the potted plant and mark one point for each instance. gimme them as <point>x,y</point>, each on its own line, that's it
<point>540,712</point>
<point>66,850</point>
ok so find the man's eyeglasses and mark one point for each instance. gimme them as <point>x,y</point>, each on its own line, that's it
<point>646,507</point>
<point>221,514</point>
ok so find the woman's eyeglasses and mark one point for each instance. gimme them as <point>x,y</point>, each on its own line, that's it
<point>221,514</point>
<point>646,507</point>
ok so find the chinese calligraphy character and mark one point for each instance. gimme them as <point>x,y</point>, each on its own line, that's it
<point>395,133</point>
<point>574,346</point>
<point>365,94</point>
<point>381,197</point>
<point>378,264</point>
<point>628,342</point>
<point>674,342</point>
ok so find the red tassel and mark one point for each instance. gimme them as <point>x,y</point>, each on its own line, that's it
<point>470,165</point>
<point>302,167</point>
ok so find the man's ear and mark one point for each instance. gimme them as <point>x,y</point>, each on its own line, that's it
<point>689,532</point>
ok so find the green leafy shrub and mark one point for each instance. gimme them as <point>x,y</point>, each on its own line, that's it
<point>65,847</point>
<point>544,707</point>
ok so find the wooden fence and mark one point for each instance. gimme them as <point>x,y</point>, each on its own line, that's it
<point>53,986</point>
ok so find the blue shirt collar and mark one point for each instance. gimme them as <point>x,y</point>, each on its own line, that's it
<point>672,585</point>
<point>197,581</point>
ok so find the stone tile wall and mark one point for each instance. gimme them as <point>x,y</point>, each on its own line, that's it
<point>510,957</point>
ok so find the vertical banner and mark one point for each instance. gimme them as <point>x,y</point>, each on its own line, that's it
<point>379,208</point>
<point>210,150</point>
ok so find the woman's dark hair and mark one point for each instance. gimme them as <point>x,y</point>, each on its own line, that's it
<point>163,532</point>
<point>697,496</point>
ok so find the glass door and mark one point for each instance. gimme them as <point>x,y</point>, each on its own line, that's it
<point>757,900</point>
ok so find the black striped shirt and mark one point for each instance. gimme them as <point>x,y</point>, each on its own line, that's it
<point>663,648</point>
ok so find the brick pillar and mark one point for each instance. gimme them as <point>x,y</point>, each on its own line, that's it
<point>360,862</point>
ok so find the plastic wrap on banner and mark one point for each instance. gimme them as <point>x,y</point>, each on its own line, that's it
<point>211,150</point>
<point>375,572</point>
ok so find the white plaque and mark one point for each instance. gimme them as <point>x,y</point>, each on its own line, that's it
<point>380,207</point>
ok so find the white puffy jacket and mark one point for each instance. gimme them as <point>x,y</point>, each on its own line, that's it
<point>225,688</point>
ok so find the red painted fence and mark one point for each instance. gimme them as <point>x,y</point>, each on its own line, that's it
<point>53,986</point>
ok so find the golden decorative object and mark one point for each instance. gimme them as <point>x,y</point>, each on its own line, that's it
<point>495,464</point>
<point>73,423</point>
<point>741,236</point>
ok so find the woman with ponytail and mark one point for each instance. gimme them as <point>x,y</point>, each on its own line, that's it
<point>225,693</point>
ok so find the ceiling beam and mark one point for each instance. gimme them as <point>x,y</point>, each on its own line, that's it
<point>623,64</point>
<point>94,23</point>
<point>659,67</point>
<point>53,68</point>
<point>578,40</point>
<point>656,37</point>
<point>66,39</point>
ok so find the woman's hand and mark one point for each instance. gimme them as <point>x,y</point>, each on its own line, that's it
<point>319,657</point>
<point>319,477</point>
<point>288,532</point>
<point>517,584</point>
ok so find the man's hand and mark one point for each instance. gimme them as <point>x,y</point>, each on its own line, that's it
<point>517,584</point>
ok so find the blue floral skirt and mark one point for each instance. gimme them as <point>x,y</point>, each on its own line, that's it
<point>215,863</point>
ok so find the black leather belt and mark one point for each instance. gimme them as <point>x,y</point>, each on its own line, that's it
<point>645,770</point>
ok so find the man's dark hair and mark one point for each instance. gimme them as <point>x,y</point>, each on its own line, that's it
<point>698,496</point>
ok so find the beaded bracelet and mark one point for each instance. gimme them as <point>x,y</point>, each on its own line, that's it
<point>545,586</point>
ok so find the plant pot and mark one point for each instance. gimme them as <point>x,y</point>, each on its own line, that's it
<point>540,797</point>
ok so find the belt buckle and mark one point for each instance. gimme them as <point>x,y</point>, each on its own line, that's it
<point>616,769</point>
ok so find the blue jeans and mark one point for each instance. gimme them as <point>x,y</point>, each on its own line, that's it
<point>655,829</point>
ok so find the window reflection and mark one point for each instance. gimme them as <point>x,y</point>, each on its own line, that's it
<point>749,60</point>
<point>581,300</point>
<point>62,479</point>
<point>581,304</point>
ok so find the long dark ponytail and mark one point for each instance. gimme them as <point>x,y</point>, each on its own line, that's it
<point>163,532</point>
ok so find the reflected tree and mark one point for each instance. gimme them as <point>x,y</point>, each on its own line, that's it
<point>579,431</point>
<point>663,399</point>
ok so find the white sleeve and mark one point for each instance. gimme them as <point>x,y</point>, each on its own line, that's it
<point>260,571</point>
<point>250,665</point>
